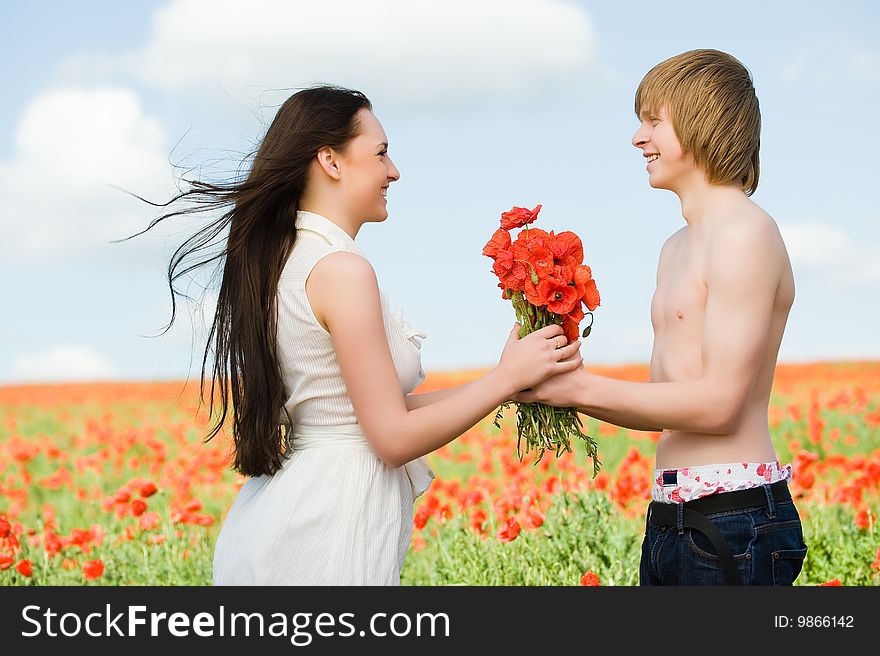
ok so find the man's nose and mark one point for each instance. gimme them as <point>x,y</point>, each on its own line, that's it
<point>640,138</point>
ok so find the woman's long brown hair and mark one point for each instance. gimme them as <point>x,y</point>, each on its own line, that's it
<point>258,214</point>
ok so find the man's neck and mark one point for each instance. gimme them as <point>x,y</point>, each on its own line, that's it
<point>701,202</point>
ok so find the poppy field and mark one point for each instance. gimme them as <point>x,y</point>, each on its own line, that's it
<point>111,484</point>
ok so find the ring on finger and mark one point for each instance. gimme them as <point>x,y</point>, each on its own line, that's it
<point>556,342</point>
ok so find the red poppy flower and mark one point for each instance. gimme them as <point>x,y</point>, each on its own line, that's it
<point>509,530</point>
<point>519,216</point>
<point>833,582</point>
<point>539,259</point>
<point>5,528</point>
<point>6,562</point>
<point>138,506</point>
<point>558,296</point>
<point>567,249</point>
<point>534,518</point>
<point>423,514</point>
<point>591,295</point>
<point>148,489</point>
<point>194,505</point>
<point>25,568</point>
<point>93,569</point>
<point>53,544</point>
<point>590,578</point>
<point>149,521</point>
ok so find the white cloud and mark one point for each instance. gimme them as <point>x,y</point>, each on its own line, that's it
<point>863,65</point>
<point>836,60</point>
<point>70,145</point>
<point>69,362</point>
<point>821,247</point>
<point>815,244</point>
<point>402,51</point>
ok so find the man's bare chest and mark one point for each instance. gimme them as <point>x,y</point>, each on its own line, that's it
<point>679,303</point>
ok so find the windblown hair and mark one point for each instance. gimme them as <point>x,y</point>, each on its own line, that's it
<point>258,226</point>
<point>711,101</point>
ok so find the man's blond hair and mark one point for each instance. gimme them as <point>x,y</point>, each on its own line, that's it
<point>712,104</point>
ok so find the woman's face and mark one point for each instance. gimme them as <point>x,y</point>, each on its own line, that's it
<point>367,170</point>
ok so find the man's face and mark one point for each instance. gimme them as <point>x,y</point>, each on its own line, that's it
<point>667,165</point>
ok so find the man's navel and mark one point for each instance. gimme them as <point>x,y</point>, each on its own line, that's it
<point>679,315</point>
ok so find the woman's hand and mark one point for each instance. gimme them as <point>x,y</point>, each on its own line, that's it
<point>567,390</point>
<point>536,357</point>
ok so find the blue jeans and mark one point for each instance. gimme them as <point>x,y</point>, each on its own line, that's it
<point>767,543</point>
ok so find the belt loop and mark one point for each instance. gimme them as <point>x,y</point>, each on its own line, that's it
<point>679,518</point>
<point>771,502</point>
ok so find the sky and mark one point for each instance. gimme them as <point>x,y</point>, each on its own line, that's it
<point>486,104</point>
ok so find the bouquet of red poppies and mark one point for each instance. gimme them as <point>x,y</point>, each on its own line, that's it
<point>543,274</point>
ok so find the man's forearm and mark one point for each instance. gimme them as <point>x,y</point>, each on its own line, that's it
<point>617,419</point>
<point>693,406</point>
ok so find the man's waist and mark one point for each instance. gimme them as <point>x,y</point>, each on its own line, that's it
<point>683,484</point>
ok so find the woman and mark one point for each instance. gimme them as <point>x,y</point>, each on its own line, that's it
<point>318,369</point>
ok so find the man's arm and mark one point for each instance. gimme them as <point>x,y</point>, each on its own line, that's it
<point>618,419</point>
<point>742,278</point>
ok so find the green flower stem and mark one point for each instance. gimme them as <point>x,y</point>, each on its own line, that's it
<point>541,427</point>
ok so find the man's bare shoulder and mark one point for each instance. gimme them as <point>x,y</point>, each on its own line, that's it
<point>748,237</point>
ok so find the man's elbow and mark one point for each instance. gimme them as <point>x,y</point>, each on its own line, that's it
<point>727,418</point>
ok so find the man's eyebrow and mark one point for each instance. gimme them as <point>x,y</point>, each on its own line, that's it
<point>384,144</point>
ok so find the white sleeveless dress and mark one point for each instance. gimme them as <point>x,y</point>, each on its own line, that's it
<point>335,514</point>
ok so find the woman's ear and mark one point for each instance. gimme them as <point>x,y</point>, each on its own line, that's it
<point>328,160</point>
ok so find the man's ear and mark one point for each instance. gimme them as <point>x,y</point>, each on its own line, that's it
<point>328,160</point>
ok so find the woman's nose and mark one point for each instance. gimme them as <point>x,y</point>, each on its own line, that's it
<point>393,173</point>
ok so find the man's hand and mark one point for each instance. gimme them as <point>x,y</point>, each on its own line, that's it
<point>561,391</point>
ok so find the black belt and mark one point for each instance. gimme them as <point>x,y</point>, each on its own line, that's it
<point>694,517</point>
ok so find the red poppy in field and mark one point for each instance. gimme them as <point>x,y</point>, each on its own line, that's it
<point>194,505</point>
<point>423,514</point>
<point>53,544</point>
<point>25,568</point>
<point>478,519</point>
<point>534,518</point>
<point>148,489</point>
<point>509,530</point>
<point>6,562</point>
<point>5,527</point>
<point>138,506</point>
<point>833,582</point>
<point>590,578</point>
<point>92,569</point>
<point>864,519</point>
<point>149,521</point>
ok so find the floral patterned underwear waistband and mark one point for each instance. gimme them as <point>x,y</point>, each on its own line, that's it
<point>689,483</point>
